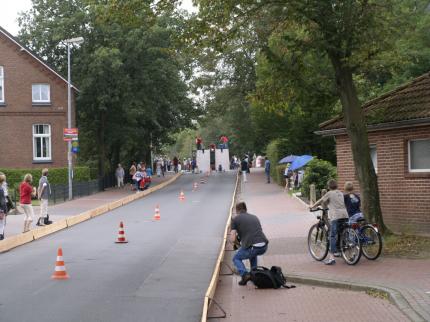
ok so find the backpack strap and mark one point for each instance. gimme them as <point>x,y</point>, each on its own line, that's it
<point>286,286</point>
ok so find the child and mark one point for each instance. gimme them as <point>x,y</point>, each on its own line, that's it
<point>352,203</point>
<point>335,201</point>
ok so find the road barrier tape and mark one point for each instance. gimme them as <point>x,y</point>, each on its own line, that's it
<point>210,293</point>
<point>24,238</point>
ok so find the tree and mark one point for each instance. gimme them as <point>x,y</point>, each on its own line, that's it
<point>349,32</point>
<point>131,74</point>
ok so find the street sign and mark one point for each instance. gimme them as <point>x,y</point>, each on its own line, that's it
<point>75,146</point>
<point>70,134</point>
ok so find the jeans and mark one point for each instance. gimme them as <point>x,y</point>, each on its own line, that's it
<point>247,253</point>
<point>334,227</point>
<point>268,177</point>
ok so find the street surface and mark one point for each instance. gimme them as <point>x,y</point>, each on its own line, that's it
<point>286,222</point>
<point>161,275</point>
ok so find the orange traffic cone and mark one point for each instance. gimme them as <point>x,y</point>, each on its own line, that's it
<point>157,213</point>
<point>195,186</point>
<point>121,235</point>
<point>60,270</point>
<point>182,196</point>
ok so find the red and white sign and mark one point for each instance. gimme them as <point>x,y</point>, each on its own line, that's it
<point>70,134</point>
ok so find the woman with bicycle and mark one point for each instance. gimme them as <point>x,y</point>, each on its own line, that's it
<point>334,199</point>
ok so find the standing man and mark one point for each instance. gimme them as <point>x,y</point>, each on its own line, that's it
<point>267,169</point>
<point>198,143</point>
<point>119,173</point>
<point>43,191</point>
<point>253,242</point>
<point>244,168</point>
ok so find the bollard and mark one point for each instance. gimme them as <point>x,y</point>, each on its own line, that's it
<point>312,194</point>
<point>323,192</point>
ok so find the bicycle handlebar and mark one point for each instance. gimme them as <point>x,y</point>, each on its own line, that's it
<point>318,209</point>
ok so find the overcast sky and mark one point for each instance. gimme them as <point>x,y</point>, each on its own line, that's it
<point>9,10</point>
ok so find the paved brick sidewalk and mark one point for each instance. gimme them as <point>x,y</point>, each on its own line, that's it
<point>286,222</point>
<point>66,209</point>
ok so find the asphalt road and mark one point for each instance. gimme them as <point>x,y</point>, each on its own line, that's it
<point>161,275</point>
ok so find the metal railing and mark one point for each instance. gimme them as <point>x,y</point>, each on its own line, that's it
<point>60,192</point>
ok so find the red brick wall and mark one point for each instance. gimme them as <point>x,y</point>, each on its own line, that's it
<point>17,117</point>
<point>405,197</point>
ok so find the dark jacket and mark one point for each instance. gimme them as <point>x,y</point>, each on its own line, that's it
<point>244,165</point>
<point>352,203</point>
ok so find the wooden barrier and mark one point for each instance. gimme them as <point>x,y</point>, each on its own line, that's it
<point>74,220</point>
<point>15,241</point>
<point>49,229</point>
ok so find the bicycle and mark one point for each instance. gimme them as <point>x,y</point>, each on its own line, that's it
<point>370,238</point>
<point>348,238</point>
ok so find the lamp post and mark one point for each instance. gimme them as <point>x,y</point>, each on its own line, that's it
<point>78,40</point>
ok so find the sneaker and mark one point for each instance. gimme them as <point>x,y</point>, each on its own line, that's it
<point>245,279</point>
<point>337,254</point>
<point>330,261</point>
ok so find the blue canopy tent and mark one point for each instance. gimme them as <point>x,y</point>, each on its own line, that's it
<point>300,162</point>
<point>288,159</point>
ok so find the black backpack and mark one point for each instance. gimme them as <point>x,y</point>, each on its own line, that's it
<point>262,277</point>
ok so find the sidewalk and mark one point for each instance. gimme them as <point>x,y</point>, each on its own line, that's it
<point>66,209</point>
<point>286,221</point>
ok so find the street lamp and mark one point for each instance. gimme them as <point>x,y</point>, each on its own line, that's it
<point>72,41</point>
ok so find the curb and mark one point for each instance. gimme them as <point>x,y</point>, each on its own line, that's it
<point>34,234</point>
<point>394,296</point>
<point>214,279</point>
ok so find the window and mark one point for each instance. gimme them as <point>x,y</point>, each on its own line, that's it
<point>374,157</point>
<point>41,142</point>
<point>419,155</point>
<point>41,93</point>
<point>1,85</point>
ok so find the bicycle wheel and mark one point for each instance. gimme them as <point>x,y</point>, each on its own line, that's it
<point>318,242</point>
<point>350,246</point>
<point>371,242</point>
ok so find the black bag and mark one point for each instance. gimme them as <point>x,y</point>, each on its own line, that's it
<point>9,204</point>
<point>46,220</point>
<point>262,277</point>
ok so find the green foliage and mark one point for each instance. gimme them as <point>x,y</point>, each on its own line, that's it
<point>317,172</point>
<point>131,72</point>
<point>56,175</point>
<point>275,151</point>
<point>278,176</point>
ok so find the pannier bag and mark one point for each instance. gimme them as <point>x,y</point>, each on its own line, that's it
<point>262,277</point>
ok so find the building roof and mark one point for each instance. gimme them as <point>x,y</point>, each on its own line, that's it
<point>34,55</point>
<point>406,105</point>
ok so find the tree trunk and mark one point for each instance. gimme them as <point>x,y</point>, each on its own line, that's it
<point>102,145</point>
<point>357,132</point>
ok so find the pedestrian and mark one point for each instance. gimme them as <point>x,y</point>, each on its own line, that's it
<point>352,202</point>
<point>26,191</point>
<point>244,168</point>
<point>3,204</point>
<point>198,143</point>
<point>267,169</point>
<point>159,167</point>
<point>43,192</point>
<point>119,174</point>
<point>253,242</point>
<point>175,164</point>
<point>138,176</point>
<point>132,171</point>
<point>287,176</point>
<point>337,213</point>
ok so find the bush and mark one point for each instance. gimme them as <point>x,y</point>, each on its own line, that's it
<point>317,172</point>
<point>56,175</point>
<point>275,151</point>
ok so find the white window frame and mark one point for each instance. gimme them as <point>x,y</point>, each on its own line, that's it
<point>371,146</point>
<point>409,156</point>
<point>38,135</point>
<point>40,92</point>
<point>2,84</point>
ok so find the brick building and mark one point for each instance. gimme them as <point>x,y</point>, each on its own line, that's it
<point>398,125</point>
<point>33,109</point>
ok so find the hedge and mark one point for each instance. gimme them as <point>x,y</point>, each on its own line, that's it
<point>317,172</point>
<point>56,175</point>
